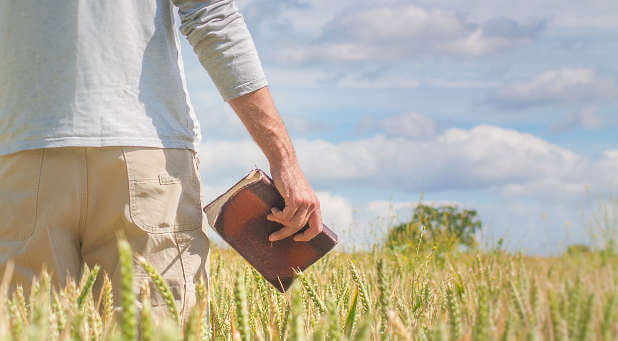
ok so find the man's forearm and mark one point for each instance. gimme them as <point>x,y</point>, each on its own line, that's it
<point>258,113</point>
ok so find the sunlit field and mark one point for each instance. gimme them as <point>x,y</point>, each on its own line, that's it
<point>376,295</point>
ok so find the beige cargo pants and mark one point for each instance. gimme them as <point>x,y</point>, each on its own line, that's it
<point>63,207</point>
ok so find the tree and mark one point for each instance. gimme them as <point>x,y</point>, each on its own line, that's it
<point>446,227</point>
<point>576,249</point>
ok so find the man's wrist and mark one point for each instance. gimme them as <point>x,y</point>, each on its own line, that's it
<point>280,152</point>
<point>279,163</point>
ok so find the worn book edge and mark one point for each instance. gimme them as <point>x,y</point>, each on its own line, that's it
<point>213,209</point>
<point>259,184</point>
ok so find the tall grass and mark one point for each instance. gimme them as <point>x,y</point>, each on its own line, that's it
<point>376,295</point>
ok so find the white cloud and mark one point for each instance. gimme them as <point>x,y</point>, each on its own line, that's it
<point>466,84</point>
<point>409,125</point>
<point>336,210</point>
<point>395,22</point>
<point>382,82</point>
<point>597,14</point>
<point>397,31</point>
<point>555,87</point>
<point>593,177</point>
<point>478,43</point>
<point>483,157</point>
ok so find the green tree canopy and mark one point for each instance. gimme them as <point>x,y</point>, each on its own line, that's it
<point>446,227</point>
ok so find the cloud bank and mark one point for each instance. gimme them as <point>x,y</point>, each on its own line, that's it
<point>395,31</point>
<point>483,157</point>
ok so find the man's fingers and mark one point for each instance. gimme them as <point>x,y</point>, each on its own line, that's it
<point>288,212</point>
<point>282,233</point>
<point>294,217</point>
<point>299,220</point>
<point>275,215</point>
<point>315,227</point>
<point>278,216</point>
<point>291,226</point>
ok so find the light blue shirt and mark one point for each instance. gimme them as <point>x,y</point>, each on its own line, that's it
<point>109,72</point>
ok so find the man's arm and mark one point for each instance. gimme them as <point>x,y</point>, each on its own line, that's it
<point>224,46</point>
<point>258,113</point>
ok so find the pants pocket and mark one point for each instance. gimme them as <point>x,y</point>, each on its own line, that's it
<point>164,189</point>
<point>20,174</point>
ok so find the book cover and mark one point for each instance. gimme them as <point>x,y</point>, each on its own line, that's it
<point>239,217</point>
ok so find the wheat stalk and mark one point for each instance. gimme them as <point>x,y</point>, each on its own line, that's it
<point>162,287</point>
<point>128,320</point>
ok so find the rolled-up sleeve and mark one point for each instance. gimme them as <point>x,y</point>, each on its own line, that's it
<point>223,44</point>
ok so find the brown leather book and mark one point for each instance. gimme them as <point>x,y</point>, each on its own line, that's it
<point>239,217</point>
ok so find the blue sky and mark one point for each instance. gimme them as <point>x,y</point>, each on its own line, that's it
<point>505,107</point>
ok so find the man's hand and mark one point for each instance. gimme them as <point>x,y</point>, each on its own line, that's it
<point>301,205</point>
<point>257,112</point>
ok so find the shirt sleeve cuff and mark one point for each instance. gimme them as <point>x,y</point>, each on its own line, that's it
<point>243,89</point>
<point>223,44</point>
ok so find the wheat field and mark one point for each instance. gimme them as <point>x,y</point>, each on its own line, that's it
<point>375,295</point>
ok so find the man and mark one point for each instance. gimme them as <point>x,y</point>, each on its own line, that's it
<point>98,136</point>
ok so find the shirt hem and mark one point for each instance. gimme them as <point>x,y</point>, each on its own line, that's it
<point>58,142</point>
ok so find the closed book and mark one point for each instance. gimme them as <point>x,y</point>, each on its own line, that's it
<point>239,217</point>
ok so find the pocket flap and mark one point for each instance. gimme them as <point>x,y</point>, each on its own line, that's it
<point>165,179</point>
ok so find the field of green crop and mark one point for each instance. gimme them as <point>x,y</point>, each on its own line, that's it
<point>376,295</point>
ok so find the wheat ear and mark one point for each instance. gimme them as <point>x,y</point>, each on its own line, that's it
<point>162,287</point>
<point>128,321</point>
<point>92,277</point>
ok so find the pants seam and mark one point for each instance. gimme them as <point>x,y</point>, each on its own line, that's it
<point>83,199</point>
<point>38,193</point>
<point>184,275</point>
